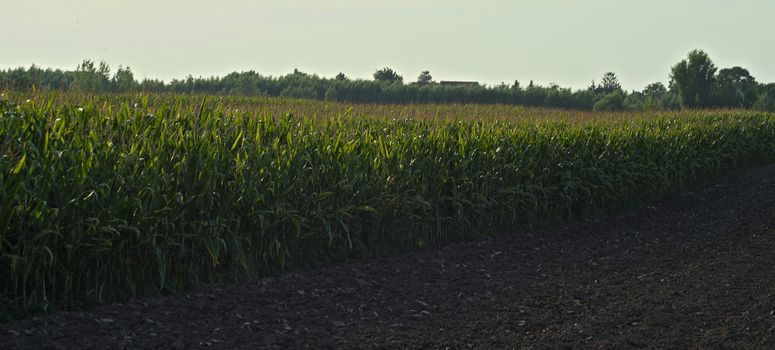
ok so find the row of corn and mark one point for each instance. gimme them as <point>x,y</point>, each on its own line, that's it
<point>103,200</point>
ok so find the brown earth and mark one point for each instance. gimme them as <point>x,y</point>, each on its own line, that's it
<point>696,270</point>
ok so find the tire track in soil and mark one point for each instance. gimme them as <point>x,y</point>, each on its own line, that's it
<point>694,270</point>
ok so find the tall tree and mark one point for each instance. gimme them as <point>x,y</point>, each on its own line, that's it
<point>609,84</point>
<point>656,89</point>
<point>693,80</point>
<point>387,75</point>
<point>766,99</point>
<point>424,78</point>
<point>736,87</point>
<point>124,80</point>
<point>655,96</point>
<point>90,78</point>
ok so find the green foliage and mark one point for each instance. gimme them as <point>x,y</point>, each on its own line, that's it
<point>735,87</point>
<point>109,197</point>
<point>693,83</point>
<point>387,75</point>
<point>331,94</point>
<point>124,80</point>
<point>608,84</point>
<point>766,99</point>
<point>657,90</point>
<point>657,97</point>
<point>89,77</point>
<point>693,79</point>
<point>610,102</point>
<point>634,101</point>
<point>299,92</point>
<point>424,78</point>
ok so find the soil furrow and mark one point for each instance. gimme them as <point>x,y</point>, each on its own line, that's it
<point>694,270</point>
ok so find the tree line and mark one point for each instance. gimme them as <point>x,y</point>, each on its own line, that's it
<point>694,82</point>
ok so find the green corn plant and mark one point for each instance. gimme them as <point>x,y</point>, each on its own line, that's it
<point>107,197</point>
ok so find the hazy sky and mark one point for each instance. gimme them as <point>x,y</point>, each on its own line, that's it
<point>569,42</point>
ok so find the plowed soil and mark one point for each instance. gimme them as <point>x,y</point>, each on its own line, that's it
<point>695,270</point>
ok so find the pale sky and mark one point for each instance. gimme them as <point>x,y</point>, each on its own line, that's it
<point>568,42</point>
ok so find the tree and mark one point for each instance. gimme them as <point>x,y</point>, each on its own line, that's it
<point>610,102</point>
<point>124,80</point>
<point>656,89</point>
<point>424,78</point>
<point>634,101</point>
<point>86,66</point>
<point>243,84</point>
<point>736,87</point>
<point>608,84</point>
<point>534,95</point>
<point>331,94</point>
<point>654,96</point>
<point>387,75</point>
<point>732,87</point>
<point>299,92</point>
<point>766,99</point>
<point>90,78</point>
<point>693,79</point>
<point>104,71</point>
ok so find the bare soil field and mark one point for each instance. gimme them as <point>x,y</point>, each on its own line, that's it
<point>694,270</point>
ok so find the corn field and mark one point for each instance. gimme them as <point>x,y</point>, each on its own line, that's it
<point>109,197</point>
